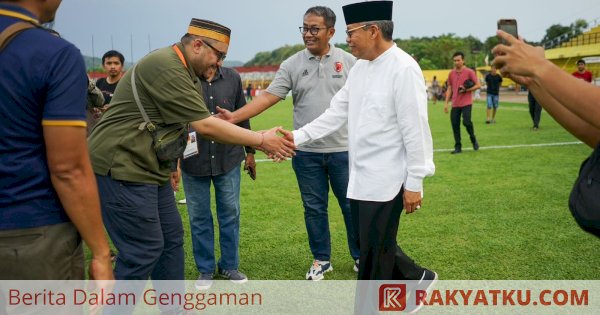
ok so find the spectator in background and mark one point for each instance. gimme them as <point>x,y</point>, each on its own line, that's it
<point>492,81</point>
<point>535,111</point>
<point>435,89</point>
<point>249,92</point>
<point>582,72</point>
<point>112,62</point>
<point>95,102</point>
<point>462,100</point>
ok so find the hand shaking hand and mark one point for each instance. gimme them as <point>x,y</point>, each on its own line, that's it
<point>278,148</point>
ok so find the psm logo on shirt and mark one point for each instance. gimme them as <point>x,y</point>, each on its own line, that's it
<point>338,66</point>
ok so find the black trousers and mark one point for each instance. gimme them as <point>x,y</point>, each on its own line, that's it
<point>455,114</point>
<point>535,110</point>
<point>380,256</point>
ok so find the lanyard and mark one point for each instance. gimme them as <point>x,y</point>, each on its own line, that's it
<point>180,54</point>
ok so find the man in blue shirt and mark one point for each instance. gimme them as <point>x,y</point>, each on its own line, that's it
<point>48,192</point>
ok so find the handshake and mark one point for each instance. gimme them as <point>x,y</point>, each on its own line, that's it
<point>277,148</point>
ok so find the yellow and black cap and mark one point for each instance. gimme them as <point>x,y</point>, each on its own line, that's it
<point>209,29</point>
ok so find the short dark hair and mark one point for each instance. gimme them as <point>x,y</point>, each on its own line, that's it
<point>459,53</point>
<point>581,61</point>
<point>113,53</point>
<point>326,13</point>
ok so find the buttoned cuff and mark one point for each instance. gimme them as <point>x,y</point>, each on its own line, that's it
<point>414,184</point>
<point>300,137</point>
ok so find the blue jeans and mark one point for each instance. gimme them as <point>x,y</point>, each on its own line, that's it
<point>227,196</point>
<point>315,172</point>
<point>492,101</point>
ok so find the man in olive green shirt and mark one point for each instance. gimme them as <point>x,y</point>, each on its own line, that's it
<point>138,206</point>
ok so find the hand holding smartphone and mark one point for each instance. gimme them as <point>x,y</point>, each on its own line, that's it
<point>509,26</point>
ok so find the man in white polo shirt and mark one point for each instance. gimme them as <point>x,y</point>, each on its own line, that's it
<point>314,75</point>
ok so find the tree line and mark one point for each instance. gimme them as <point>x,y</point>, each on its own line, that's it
<point>434,52</point>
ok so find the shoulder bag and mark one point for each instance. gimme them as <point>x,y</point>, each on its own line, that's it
<point>169,141</point>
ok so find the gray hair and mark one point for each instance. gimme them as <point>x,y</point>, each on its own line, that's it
<point>324,12</point>
<point>187,38</point>
<point>386,27</point>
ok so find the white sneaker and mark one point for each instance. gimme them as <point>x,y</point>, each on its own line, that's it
<point>356,263</point>
<point>182,201</point>
<point>318,269</point>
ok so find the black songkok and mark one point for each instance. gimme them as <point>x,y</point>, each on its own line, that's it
<point>368,11</point>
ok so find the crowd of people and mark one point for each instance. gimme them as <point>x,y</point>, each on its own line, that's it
<point>125,188</point>
<point>361,128</point>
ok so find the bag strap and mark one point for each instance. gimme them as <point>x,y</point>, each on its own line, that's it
<point>16,28</point>
<point>12,31</point>
<point>147,124</point>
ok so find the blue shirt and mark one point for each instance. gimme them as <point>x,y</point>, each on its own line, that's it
<point>42,82</point>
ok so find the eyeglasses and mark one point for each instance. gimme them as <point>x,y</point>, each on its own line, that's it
<point>350,31</point>
<point>220,55</point>
<point>313,29</point>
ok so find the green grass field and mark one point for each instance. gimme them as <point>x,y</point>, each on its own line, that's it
<point>499,213</point>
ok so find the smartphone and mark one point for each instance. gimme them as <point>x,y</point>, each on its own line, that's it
<point>509,26</point>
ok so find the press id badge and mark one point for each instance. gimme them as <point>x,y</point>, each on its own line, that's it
<point>191,148</point>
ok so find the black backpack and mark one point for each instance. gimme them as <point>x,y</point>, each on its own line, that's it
<point>584,200</point>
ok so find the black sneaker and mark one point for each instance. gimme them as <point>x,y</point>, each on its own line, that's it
<point>233,275</point>
<point>456,151</point>
<point>475,146</point>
